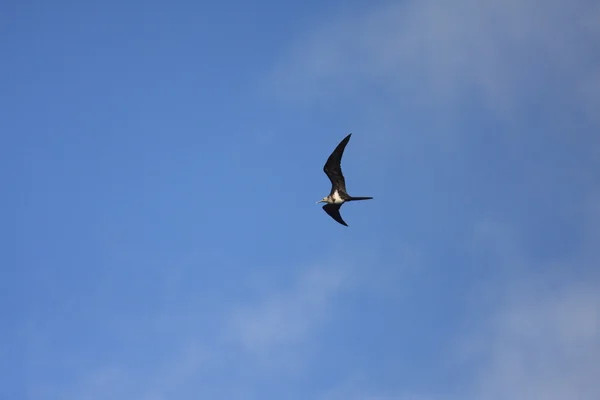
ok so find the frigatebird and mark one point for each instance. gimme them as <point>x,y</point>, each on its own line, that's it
<point>338,195</point>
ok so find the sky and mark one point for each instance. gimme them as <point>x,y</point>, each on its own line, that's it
<point>162,161</point>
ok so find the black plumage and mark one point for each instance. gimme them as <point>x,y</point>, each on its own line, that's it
<point>333,168</point>
<point>338,194</point>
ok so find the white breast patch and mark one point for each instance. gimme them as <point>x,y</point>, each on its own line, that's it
<point>336,198</point>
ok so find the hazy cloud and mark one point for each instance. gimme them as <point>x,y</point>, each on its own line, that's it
<point>542,338</point>
<point>543,345</point>
<point>502,52</point>
<point>284,317</point>
<point>534,330</point>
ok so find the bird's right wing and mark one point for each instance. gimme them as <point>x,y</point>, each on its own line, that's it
<point>333,167</point>
<point>334,212</point>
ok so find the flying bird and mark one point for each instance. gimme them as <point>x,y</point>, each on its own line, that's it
<point>338,195</point>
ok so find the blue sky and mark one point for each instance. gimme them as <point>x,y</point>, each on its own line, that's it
<point>163,160</point>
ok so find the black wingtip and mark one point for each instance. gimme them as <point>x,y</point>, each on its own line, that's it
<point>333,210</point>
<point>346,138</point>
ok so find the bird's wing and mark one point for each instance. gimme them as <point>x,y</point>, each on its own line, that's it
<point>333,167</point>
<point>334,212</point>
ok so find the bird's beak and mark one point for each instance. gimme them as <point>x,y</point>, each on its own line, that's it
<point>320,201</point>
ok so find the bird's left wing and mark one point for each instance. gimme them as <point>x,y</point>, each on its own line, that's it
<point>334,212</point>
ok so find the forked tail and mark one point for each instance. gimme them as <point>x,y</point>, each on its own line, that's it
<point>359,198</point>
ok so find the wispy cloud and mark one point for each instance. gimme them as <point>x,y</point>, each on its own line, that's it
<point>504,53</point>
<point>544,344</point>
<point>284,317</point>
<point>540,339</point>
<point>226,353</point>
<point>532,330</point>
<point>535,344</point>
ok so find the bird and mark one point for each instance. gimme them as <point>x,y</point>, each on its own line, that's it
<point>338,195</point>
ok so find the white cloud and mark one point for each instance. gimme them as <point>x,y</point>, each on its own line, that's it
<point>289,316</point>
<point>544,344</point>
<point>537,344</point>
<point>247,343</point>
<point>533,331</point>
<point>539,336</point>
<point>504,52</point>
<point>225,348</point>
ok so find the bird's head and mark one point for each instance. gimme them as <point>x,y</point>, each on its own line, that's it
<point>323,200</point>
